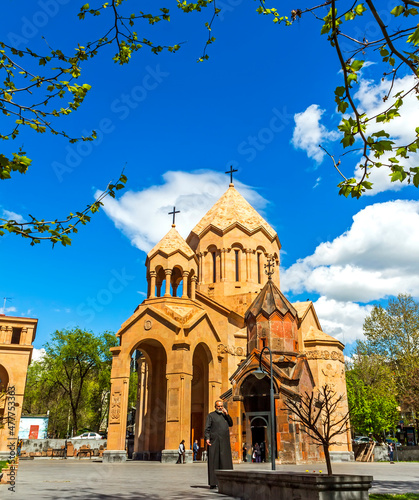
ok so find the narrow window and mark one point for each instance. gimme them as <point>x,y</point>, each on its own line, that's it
<point>259,276</point>
<point>214,267</point>
<point>236,252</point>
<point>16,335</point>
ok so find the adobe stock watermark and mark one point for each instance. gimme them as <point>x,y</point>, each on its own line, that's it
<point>120,108</point>
<point>93,305</point>
<point>256,143</point>
<point>31,25</point>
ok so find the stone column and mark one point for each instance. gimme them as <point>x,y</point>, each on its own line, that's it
<point>200,267</point>
<point>168,273</point>
<point>152,285</point>
<point>248,264</point>
<point>185,285</point>
<point>117,427</point>
<point>193,287</point>
<point>223,252</point>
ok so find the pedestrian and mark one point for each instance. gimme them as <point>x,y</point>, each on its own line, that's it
<point>181,452</point>
<point>391,452</point>
<point>217,437</point>
<point>257,452</point>
<point>262,451</point>
<point>19,447</point>
<point>195,450</point>
<point>244,450</point>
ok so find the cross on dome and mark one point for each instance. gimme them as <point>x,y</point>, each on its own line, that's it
<point>174,215</point>
<point>231,174</point>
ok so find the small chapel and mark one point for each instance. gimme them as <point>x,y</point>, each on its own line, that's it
<point>209,312</point>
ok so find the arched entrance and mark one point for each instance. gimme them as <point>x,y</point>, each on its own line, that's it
<point>257,418</point>
<point>199,394</point>
<point>150,415</point>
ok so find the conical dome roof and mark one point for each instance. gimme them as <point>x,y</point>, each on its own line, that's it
<point>233,209</point>
<point>269,300</point>
<point>171,243</point>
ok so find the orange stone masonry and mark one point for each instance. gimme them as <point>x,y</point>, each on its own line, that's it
<point>196,339</point>
<point>16,338</point>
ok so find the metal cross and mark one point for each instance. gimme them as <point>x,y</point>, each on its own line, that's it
<point>231,173</point>
<point>269,265</point>
<point>174,214</point>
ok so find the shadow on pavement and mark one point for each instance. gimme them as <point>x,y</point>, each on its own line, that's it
<point>395,487</point>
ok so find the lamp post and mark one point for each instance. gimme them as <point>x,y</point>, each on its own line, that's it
<point>259,373</point>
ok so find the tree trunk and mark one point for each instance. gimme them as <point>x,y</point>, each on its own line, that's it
<point>327,457</point>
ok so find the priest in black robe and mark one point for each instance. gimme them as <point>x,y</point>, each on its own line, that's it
<point>217,436</point>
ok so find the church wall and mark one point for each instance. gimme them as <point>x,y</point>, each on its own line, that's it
<point>328,367</point>
<point>224,245</point>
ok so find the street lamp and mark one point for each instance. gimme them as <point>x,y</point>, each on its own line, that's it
<point>259,374</point>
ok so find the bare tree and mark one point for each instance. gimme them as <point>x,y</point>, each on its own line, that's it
<point>321,417</point>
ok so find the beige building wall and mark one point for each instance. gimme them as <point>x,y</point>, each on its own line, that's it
<point>16,338</point>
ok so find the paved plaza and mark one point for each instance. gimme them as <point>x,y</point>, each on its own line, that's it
<point>89,479</point>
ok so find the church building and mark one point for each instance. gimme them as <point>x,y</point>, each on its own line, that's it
<point>210,310</point>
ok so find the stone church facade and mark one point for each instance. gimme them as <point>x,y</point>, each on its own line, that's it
<point>210,309</point>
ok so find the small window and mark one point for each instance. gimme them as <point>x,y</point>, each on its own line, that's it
<point>259,273</point>
<point>214,267</point>
<point>236,252</point>
<point>16,335</point>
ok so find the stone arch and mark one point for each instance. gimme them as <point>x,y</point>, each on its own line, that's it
<point>202,361</point>
<point>150,415</point>
<point>237,265</point>
<point>257,423</point>
<point>160,280</point>
<point>213,264</point>
<point>176,279</point>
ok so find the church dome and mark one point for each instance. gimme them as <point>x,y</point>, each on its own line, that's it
<point>269,300</point>
<point>171,243</point>
<point>232,209</point>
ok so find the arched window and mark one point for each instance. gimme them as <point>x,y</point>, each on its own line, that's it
<point>259,268</point>
<point>236,256</point>
<point>214,267</point>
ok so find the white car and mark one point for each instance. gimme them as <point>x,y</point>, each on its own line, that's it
<point>88,435</point>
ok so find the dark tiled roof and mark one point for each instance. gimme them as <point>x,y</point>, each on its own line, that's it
<point>269,300</point>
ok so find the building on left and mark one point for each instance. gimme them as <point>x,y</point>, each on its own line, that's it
<point>16,339</point>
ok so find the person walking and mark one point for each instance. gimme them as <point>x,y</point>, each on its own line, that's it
<point>181,452</point>
<point>195,450</point>
<point>257,452</point>
<point>217,437</point>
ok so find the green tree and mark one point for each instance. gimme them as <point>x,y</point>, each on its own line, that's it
<point>392,334</point>
<point>59,73</point>
<point>72,380</point>
<point>371,389</point>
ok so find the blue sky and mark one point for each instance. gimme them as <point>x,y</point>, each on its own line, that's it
<point>262,103</point>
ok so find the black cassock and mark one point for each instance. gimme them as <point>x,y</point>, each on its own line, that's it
<point>219,453</point>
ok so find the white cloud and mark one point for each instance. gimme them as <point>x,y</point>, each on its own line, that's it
<point>143,215</point>
<point>309,132</point>
<point>6,310</point>
<point>376,258</point>
<point>7,214</point>
<point>38,354</point>
<point>342,320</point>
<point>402,129</point>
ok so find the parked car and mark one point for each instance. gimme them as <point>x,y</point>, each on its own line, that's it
<point>389,440</point>
<point>362,439</point>
<point>88,435</point>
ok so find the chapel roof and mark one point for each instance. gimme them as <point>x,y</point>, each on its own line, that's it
<point>269,300</point>
<point>231,209</point>
<point>171,243</point>
<point>314,335</point>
